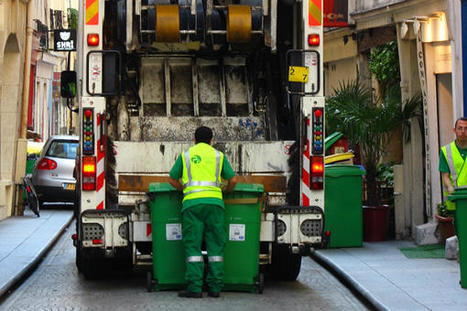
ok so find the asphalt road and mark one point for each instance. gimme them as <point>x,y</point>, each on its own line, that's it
<point>56,285</point>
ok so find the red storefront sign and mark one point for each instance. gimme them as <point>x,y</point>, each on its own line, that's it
<point>336,13</point>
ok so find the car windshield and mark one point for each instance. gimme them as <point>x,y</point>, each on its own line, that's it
<point>63,149</point>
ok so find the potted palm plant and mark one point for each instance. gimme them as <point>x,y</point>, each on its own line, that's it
<point>369,124</point>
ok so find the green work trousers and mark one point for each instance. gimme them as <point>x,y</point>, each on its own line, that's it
<point>204,221</point>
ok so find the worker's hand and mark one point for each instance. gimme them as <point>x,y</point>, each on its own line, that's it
<point>450,189</point>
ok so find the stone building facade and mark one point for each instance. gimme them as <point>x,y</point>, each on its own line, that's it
<point>13,19</point>
<point>428,36</point>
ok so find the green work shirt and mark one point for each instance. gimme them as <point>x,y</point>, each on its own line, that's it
<point>226,173</point>
<point>443,162</point>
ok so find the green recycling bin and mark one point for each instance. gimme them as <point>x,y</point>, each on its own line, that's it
<point>242,226</point>
<point>168,253</point>
<point>343,205</point>
<point>459,196</point>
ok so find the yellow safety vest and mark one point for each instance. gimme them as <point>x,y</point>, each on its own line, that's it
<point>201,176</point>
<point>457,172</point>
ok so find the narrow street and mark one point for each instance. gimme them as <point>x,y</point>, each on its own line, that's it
<point>56,285</point>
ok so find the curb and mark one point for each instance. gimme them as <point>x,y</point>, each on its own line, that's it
<point>34,263</point>
<point>351,282</point>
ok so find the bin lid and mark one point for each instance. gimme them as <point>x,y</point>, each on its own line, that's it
<point>249,187</point>
<point>338,170</point>
<point>458,194</point>
<point>331,139</point>
<point>161,187</point>
<point>333,158</point>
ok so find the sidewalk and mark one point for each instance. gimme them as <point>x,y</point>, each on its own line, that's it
<point>391,281</point>
<point>25,239</point>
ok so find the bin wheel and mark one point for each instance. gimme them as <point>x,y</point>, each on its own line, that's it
<point>260,283</point>
<point>149,282</point>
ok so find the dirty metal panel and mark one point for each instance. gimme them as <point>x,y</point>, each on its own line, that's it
<point>129,199</point>
<point>265,157</point>
<point>246,157</point>
<point>183,128</point>
<point>147,157</point>
<point>181,84</point>
<point>236,85</point>
<point>208,78</point>
<point>153,86</point>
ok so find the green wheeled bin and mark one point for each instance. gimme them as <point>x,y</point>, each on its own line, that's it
<point>242,226</point>
<point>343,205</point>
<point>168,253</point>
<point>459,196</point>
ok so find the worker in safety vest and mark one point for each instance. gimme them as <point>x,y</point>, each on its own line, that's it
<point>200,169</point>
<point>452,163</point>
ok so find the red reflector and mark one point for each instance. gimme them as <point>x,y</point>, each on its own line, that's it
<point>97,241</point>
<point>313,39</point>
<point>74,236</point>
<point>328,233</point>
<point>28,188</point>
<point>93,39</point>
<point>46,164</point>
<point>317,165</point>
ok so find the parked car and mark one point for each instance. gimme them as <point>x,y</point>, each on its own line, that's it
<point>53,172</point>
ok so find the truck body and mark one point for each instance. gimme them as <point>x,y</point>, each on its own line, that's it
<point>151,71</point>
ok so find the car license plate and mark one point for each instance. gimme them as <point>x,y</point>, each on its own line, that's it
<point>69,186</point>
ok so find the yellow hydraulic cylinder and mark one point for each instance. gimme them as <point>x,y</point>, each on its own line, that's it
<point>167,23</point>
<point>239,23</point>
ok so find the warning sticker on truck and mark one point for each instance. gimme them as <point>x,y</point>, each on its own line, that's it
<point>236,232</point>
<point>173,232</point>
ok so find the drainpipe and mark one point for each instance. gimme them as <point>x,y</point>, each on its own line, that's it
<point>19,167</point>
<point>27,69</point>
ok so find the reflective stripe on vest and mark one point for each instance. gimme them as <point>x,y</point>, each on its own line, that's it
<point>201,183</point>
<point>198,178</point>
<point>450,160</point>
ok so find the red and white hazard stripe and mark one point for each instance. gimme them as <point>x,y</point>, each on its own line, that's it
<point>305,184</point>
<point>100,182</point>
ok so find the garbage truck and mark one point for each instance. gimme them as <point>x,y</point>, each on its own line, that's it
<point>149,72</point>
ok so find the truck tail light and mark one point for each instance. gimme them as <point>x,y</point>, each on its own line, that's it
<point>317,173</point>
<point>46,164</point>
<point>93,39</point>
<point>89,173</point>
<point>313,39</point>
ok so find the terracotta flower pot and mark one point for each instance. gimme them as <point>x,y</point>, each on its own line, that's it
<point>445,227</point>
<point>375,223</point>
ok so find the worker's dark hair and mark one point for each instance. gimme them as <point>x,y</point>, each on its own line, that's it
<point>460,119</point>
<point>203,134</point>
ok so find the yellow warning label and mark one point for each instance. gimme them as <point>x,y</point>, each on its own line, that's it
<point>298,74</point>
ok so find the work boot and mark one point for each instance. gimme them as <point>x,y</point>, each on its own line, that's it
<point>189,294</point>
<point>214,294</point>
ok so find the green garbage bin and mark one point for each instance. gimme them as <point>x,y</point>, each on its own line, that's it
<point>168,253</point>
<point>459,196</point>
<point>343,205</point>
<point>242,226</point>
